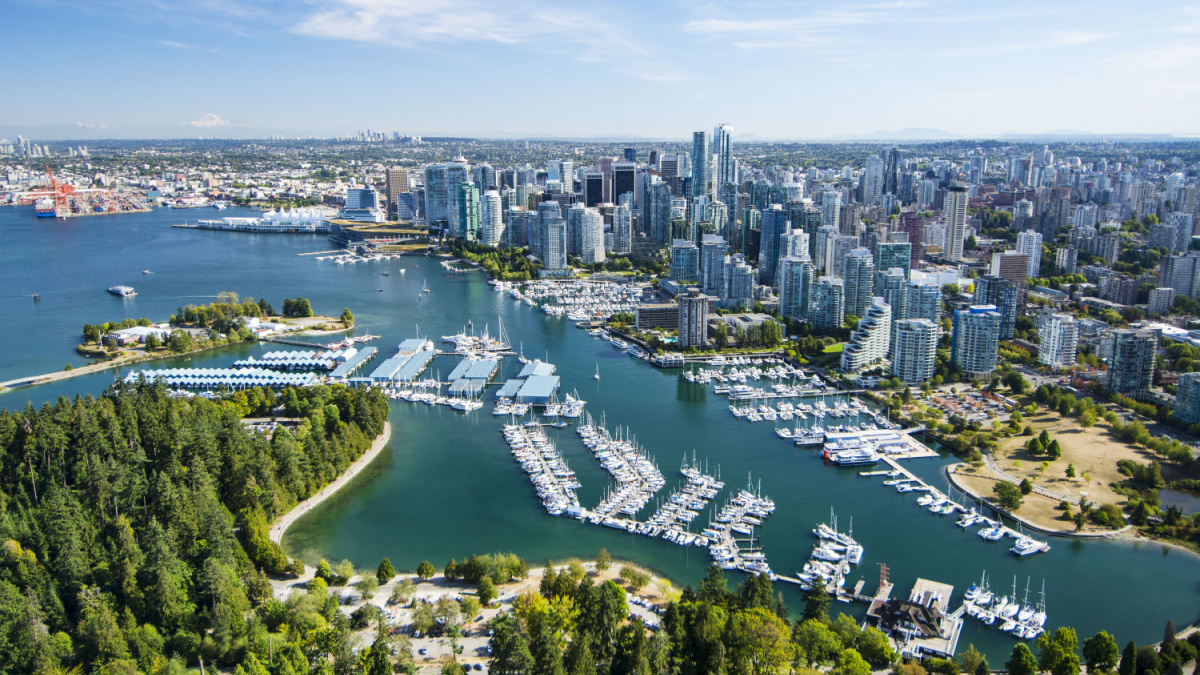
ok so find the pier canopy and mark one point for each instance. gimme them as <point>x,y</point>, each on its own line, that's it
<point>536,367</point>
<point>538,389</point>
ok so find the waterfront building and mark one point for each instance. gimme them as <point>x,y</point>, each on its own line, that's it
<point>739,283</point>
<point>685,261</point>
<point>1131,368</point>
<point>955,210</point>
<point>591,232</point>
<point>491,230</point>
<point>1005,295</point>
<point>975,339</point>
<point>622,230</point>
<point>795,286</point>
<point>693,319</point>
<point>1161,300</point>
<point>468,212</point>
<point>648,316</point>
<point>1181,272</point>
<point>774,223</point>
<point>1029,242</point>
<point>870,341</point>
<point>914,349</point>
<point>828,309</point>
<point>1059,335</point>
<point>1187,398</point>
<point>713,251</point>
<point>859,273</point>
<point>457,173</point>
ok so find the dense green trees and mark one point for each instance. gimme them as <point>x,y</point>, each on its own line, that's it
<point>299,307</point>
<point>118,520</point>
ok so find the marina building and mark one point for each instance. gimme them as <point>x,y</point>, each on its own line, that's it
<point>1131,368</point>
<point>922,624</point>
<point>693,319</point>
<point>471,376</point>
<point>975,339</point>
<point>870,341</point>
<point>914,350</point>
<point>410,360</point>
<point>210,379</point>
<point>1059,339</point>
<point>828,309</point>
<point>298,360</point>
<point>1187,399</point>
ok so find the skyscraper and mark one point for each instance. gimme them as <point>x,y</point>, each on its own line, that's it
<point>624,176</point>
<point>828,310</point>
<point>870,341</point>
<point>723,138</point>
<point>975,339</point>
<point>739,282</point>
<point>1059,335</point>
<point>1132,366</point>
<point>1181,272</point>
<point>701,160</point>
<point>593,188</point>
<point>397,182</point>
<point>436,194</point>
<point>924,302</point>
<point>457,173</point>
<point>468,212</point>
<point>795,286</point>
<point>1005,295</point>
<point>955,210</point>
<point>658,207</point>
<point>774,223</point>
<point>831,207</point>
<point>859,273</point>
<point>1187,399</point>
<point>713,250</point>
<point>872,180</point>
<point>592,237</point>
<point>685,261</point>
<point>891,172</point>
<point>1029,242</point>
<point>492,218</point>
<point>622,230</point>
<point>914,353</point>
<point>555,245</point>
<point>693,318</point>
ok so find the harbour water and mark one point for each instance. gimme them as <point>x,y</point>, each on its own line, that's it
<point>448,486</point>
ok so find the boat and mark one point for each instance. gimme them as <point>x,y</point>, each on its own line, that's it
<point>854,457</point>
<point>122,291</point>
<point>44,208</point>
<point>597,371</point>
<point>1028,546</point>
<point>145,271</point>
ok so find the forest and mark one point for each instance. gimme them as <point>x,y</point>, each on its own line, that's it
<point>133,525</point>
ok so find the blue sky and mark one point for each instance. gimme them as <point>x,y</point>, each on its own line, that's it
<point>138,68</point>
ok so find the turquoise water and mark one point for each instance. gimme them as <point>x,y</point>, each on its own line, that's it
<point>447,485</point>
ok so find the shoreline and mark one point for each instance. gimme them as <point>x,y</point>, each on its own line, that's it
<point>285,521</point>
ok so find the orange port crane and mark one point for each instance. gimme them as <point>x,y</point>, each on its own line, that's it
<point>61,190</point>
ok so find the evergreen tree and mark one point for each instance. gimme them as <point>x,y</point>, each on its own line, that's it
<point>1021,661</point>
<point>386,572</point>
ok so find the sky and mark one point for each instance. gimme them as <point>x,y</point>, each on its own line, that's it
<point>788,69</point>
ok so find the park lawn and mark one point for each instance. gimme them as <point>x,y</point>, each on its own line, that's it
<point>1037,509</point>
<point>835,348</point>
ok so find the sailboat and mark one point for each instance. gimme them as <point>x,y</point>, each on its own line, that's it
<point>597,371</point>
<point>424,287</point>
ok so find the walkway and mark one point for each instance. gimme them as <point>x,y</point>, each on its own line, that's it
<point>995,468</point>
<point>281,525</point>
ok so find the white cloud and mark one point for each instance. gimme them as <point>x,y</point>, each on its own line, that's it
<point>210,120</point>
<point>176,45</point>
<point>1064,38</point>
<point>89,125</point>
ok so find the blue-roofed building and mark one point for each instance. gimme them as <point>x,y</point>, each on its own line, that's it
<point>409,362</point>
<point>536,367</point>
<point>538,389</point>
<point>230,378</point>
<point>510,389</point>
<point>347,367</point>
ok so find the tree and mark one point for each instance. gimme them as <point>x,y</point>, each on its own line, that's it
<point>1101,652</point>
<point>1128,665</point>
<point>486,591</point>
<point>849,662</point>
<point>152,342</point>
<point>815,642</point>
<point>876,647</point>
<point>1016,382</point>
<point>385,572</point>
<point>347,317</point>
<point>367,587</point>
<point>971,660</point>
<point>1008,495</point>
<point>603,560</point>
<point>1026,487</point>
<point>451,571</point>
<point>1058,652</point>
<point>425,571</point>
<point>761,641</point>
<point>1070,471</point>
<point>510,649</point>
<point>816,605</point>
<point>1021,661</point>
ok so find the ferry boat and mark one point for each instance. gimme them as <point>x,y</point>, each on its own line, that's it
<point>122,291</point>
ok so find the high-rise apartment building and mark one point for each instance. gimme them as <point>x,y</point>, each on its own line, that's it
<point>1029,243</point>
<point>491,230</point>
<point>872,180</point>
<point>1059,335</point>
<point>713,251</point>
<point>1132,367</point>
<point>554,245</point>
<point>975,339</point>
<point>739,282</point>
<point>457,173</point>
<point>924,302</point>
<point>828,309</point>
<point>693,318</point>
<point>685,261</point>
<point>1161,299</point>
<point>774,223</point>
<point>914,349</point>
<point>1181,272</point>
<point>859,273</point>
<point>870,341</point>
<point>1011,265</point>
<point>469,217</point>
<point>592,237</point>
<point>1005,295</point>
<point>795,286</point>
<point>701,163</point>
<point>955,211</point>
<point>622,230</point>
<point>436,194</point>
<point>1187,399</point>
<point>723,142</point>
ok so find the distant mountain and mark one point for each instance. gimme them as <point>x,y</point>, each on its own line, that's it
<point>911,134</point>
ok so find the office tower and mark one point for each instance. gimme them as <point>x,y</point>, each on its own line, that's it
<point>1066,259</point>
<point>693,318</point>
<point>362,198</point>
<point>457,173</point>
<point>831,207</point>
<point>591,232</point>
<point>828,309</point>
<point>774,223</point>
<point>554,244</point>
<point>1010,265</point>
<point>859,273</point>
<point>1029,242</point>
<point>623,180</point>
<point>713,251</point>
<point>484,178</point>
<point>517,227</point>
<point>1187,398</point>
<point>723,140</point>
<point>701,160</point>
<point>1005,295</point>
<point>1181,272</point>
<point>468,212</point>
<point>751,232</point>
<point>891,172</point>
<point>629,154</point>
<point>436,194</point>
<point>1131,368</point>
<point>955,210</point>
<point>491,218</point>
<point>658,205</point>
<point>397,182</point>
<point>914,350</point>
<point>891,255</point>
<point>795,286</point>
<point>739,282</point>
<point>869,342</point>
<point>685,261</point>
<point>622,230</point>
<point>975,339</point>
<point>1059,335</point>
<point>606,164</point>
<point>593,188</point>
<point>1161,299</point>
<point>872,180</point>
<point>978,170</point>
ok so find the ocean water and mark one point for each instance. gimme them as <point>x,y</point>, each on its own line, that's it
<point>447,485</point>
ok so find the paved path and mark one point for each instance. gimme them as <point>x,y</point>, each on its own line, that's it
<point>991,463</point>
<point>305,506</point>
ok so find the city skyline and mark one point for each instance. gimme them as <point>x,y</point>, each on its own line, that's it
<point>917,70</point>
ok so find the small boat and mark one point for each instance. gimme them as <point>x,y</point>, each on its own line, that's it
<point>597,371</point>
<point>145,271</point>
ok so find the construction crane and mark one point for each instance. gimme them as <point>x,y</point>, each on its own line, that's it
<point>61,190</point>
